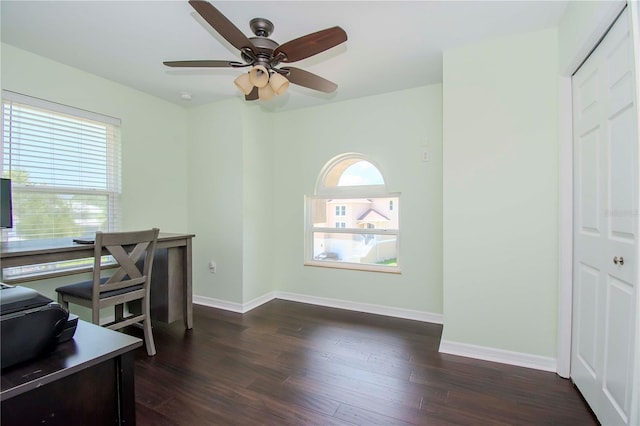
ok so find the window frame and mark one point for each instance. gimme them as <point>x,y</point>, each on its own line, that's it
<point>110,193</point>
<point>327,193</point>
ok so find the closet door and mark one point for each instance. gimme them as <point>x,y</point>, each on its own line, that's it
<point>605,139</point>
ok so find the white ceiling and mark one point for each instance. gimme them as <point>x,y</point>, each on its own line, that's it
<point>392,45</point>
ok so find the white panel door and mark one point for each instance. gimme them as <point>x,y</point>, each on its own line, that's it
<point>606,213</point>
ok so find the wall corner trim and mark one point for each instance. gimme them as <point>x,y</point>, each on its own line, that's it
<point>502,356</point>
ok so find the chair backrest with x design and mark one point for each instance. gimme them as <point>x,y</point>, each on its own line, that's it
<point>129,283</point>
<point>126,248</point>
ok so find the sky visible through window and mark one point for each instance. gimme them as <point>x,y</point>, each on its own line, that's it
<point>361,173</point>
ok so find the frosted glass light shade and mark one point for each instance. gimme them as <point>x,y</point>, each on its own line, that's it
<point>244,83</point>
<point>265,93</point>
<point>278,83</point>
<point>259,76</point>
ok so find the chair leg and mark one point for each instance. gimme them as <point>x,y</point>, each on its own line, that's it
<point>148,337</point>
<point>63,302</point>
<point>148,333</point>
<point>95,315</point>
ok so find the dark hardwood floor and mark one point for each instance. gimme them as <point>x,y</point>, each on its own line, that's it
<point>288,363</point>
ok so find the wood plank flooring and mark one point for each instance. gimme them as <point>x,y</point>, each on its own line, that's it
<point>288,363</point>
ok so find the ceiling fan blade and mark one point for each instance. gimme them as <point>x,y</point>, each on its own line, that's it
<point>222,25</point>
<point>203,64</point>
<point>311,44</point>
<point>253,95</point>
<point>310,80</point>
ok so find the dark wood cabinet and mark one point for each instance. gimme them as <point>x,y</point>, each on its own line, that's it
<point>87,380</point>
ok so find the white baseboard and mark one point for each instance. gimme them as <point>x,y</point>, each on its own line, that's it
<point>217,303</point>
<point>321,301</point>
<point>233,306</point>
<point>499,355</point>
<point>362,307</point>
<point>261,300</point>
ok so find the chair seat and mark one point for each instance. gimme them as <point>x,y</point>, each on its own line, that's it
<point>84,290</point>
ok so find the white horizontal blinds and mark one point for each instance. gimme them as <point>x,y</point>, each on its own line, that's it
<point>65,168</point>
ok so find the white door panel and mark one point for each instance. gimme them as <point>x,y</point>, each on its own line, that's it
<point>605,226</point>
<point>621,179</point>
<point>586,288</point>
<point>589,196</point>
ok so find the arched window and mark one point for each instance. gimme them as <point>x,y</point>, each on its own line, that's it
<point>352,221</point>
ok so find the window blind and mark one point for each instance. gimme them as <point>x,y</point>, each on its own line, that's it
<point>64,164</point>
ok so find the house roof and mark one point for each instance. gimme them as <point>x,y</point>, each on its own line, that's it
<point>373,216</point>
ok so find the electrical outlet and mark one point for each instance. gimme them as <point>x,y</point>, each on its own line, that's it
<point>425,155</point>
<point>213,267</point>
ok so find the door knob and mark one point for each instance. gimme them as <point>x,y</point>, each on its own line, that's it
<point>618,260</point>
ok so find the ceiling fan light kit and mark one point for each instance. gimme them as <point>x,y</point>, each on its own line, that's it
<point>265,80</point>
<point>259,76</point>
<point>244,83</point>
<point>278,83</point>
<point>265,93</point>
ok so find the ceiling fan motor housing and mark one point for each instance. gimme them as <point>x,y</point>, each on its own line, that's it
<point>264,46</point>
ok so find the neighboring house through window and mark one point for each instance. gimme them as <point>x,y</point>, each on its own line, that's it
<point>64,164</point>
<point>351,193</point>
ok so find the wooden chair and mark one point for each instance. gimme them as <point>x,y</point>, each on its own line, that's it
<point>127,284</point>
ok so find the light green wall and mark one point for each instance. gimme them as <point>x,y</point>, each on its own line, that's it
<point>153,134</point>
<point>231,200</point>
<point>248,162</point>
<point>500,182</point>
<point>259,241</point>
<point>215,198</point>
<point>154,144</point>
<point>390,129</point>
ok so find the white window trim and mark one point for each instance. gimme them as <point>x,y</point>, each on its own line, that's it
<point>308,249</point>
<point>321,189</point>
<point>347,192</point>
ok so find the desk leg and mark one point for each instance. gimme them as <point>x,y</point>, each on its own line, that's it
<point>126,389</point>
<point>180,286</point>
<point>188,287</point>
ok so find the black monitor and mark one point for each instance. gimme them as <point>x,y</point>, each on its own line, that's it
<point>6,215</point>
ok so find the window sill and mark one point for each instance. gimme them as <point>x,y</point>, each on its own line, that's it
<point>54,274</point>
<point>353,266</point>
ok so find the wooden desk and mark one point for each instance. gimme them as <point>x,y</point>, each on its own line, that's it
<point>88,380</point>
<point>171,285</point>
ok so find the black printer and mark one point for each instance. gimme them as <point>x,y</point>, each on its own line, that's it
<point>31,324</point>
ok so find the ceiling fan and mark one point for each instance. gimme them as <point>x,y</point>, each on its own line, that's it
<point>263,55</point>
